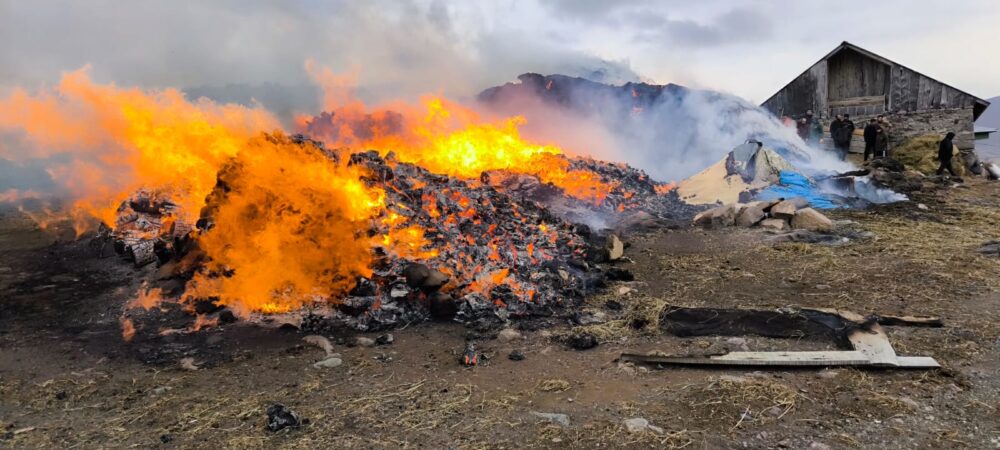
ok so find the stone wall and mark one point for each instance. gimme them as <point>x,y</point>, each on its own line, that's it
<point>907,125</point>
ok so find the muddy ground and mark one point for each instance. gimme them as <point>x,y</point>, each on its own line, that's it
<point>67,380</point>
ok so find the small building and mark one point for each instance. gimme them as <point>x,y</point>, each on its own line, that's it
<point>858,82</point>
<point>984,132</point>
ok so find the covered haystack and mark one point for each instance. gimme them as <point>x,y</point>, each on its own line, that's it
<point>920,154</point>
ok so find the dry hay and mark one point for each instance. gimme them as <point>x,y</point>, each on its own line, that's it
<point>726,404</point>
<point>553,385</point>
<point>640,317</point>
<point>920,153</point>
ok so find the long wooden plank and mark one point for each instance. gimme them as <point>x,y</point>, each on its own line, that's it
<point>817,358</point>
<point>786,359</point>
<point>917,362</point>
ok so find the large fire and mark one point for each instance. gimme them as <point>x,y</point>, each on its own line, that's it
<point>106,142</point>
<point>452,140</point>
<point>294,226</point>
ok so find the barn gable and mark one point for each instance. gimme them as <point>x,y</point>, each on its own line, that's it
<point>854,80</point>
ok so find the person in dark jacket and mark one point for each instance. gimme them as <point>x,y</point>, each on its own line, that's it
<point>871,130</point>
<point>842,136</point>
<point>881,143</point>
<point>838,122</point>
<point>814,128</point>
<point>945,151</point>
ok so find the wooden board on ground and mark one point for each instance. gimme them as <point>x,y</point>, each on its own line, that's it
<point>871,347</point>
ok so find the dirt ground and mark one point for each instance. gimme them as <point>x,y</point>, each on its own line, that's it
<point>67,380</point>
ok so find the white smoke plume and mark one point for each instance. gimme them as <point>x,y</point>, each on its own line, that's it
<point>671,132</point>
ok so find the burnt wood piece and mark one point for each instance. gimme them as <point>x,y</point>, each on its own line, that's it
<point>805,324</point>
<point>867,343</point>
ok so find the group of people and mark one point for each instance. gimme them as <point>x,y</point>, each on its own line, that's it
<point>809,128</point>
<point>877,137</point>
<point>876,134</point>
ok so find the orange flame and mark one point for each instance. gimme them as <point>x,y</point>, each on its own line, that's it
<point>146,299</point>
<point>128,329</point>
<point>291,228</point>
<point>445,138</point>
<point>664,189</point>
<point>119,140</point>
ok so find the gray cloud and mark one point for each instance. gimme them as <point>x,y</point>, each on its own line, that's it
<point>237,50</point>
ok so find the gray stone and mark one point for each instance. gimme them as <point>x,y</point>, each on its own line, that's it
<point>419,275</point>
<point>751,215</point>
<point>615,247</point>
<point>561,419</point>
<point>737,341</point>
<point>640,425</point>
<point>922,206</point>
<point>909,402</point>
<point>786,208</point>
<point>508,334</point>
<point>435,279</point>
<point>819,446</point>
<point>588,317</point>
<point>774,224</point>
<point>398,291</point>
<point>774,411</point>
<point>718,217</point>
<point>812,220</point>
<point>362,341</point>
<point>329,363</point>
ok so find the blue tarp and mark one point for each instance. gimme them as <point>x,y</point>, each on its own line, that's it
<point>793,184</point>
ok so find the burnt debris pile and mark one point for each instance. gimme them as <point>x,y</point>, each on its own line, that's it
<point>502,247</point>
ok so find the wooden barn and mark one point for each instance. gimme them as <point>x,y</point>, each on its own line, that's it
<point>858,82</point>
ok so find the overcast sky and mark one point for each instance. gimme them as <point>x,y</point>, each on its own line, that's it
<point>746,47</point>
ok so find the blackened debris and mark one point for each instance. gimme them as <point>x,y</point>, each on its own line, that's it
<point>280,417</point>
<point>582,341</point>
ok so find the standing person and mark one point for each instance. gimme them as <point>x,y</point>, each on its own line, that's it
<point>835,131</point>
<point>847,135</point>
<point>841,130</point>
<point>881,143</point>
<point>802,128</point>
<point>871,131</point>
<point>815,128</point>
<point>945,151</point>
<point>886,126</point>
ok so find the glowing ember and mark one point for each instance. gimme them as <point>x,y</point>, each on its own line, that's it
<point>128,329</point>
<point>146,299</point>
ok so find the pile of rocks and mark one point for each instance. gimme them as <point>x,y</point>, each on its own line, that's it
<point>777,215</point>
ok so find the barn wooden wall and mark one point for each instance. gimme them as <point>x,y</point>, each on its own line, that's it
<point>806,92</point>
<point>912,91</point>
<point>855,83</point>
<point>854,75</point>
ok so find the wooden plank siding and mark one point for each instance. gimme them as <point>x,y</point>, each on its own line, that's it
<point>851,79</point>
<point>852,75</point>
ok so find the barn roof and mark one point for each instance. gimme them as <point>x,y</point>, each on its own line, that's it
<point>981,104</point>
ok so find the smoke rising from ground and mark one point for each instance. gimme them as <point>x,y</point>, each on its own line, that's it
<point>670,131</point>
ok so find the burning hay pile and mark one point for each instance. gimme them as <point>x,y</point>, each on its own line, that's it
<point>420,245</point>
